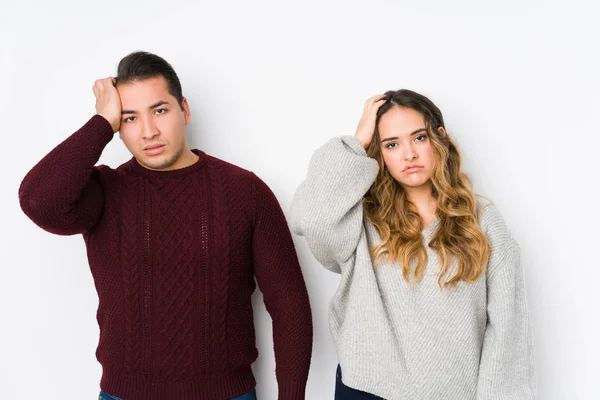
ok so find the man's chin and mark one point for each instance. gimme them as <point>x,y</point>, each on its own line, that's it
<point>156,163</point>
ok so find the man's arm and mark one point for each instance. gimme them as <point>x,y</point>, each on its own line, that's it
<point>280,279</point>
<point>61,193</point>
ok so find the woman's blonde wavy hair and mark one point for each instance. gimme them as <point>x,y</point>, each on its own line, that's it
<point>458,236</point>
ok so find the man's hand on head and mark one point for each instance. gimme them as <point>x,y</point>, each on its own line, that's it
<point>108,101</point>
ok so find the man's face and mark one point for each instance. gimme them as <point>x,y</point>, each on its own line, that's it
<point>153,124</point>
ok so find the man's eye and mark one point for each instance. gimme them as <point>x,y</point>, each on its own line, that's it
<point>129,119</point>
<point>161,111</point>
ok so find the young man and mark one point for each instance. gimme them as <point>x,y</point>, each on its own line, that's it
<point>175,238</point>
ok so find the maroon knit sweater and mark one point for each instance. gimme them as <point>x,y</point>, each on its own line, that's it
<point>174,255</point>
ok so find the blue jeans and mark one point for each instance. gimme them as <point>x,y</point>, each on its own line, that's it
<point>251,395</point>
<point>343,392</point>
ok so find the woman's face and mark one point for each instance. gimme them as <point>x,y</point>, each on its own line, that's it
<point>406,147</point>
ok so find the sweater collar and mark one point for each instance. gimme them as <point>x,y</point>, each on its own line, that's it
<point>429,230</point>
<point>143,171</point>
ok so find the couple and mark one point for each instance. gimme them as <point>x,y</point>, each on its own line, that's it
<point>431,301</point>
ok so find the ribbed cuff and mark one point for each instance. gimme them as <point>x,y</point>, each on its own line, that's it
<point>292,390</point>
<point>354,144</point>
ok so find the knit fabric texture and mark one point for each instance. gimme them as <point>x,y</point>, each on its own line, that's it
<point>175,256</point>
<point>403,342</point>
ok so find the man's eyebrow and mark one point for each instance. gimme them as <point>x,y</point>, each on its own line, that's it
<point>412,134</point>
<point>157,104</point>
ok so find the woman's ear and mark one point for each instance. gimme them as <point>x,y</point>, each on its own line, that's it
<point>442,131</point>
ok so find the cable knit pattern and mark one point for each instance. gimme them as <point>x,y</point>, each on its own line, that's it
<point>177,265</point>
<point>174,255</point>
<point>202,241</point>
<point>403,342</point>
<point>221,250</point>
<point>131,279</point>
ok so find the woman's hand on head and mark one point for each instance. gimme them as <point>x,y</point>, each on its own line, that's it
<point>366,125</point>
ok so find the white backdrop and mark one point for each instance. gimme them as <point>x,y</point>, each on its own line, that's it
<point>270,81</point>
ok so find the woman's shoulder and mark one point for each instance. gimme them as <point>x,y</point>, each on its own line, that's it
<point>493,224</point>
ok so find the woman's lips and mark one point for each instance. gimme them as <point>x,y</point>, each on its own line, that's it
<point>413,169</point>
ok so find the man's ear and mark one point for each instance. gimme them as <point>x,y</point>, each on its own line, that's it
<point>186,111</point>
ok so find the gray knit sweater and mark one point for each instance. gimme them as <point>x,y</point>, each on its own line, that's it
<point>403,342</point>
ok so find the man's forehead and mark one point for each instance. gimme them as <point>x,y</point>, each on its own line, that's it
<point>145,93</point>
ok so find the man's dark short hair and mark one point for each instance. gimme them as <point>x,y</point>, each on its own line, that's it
<point>142,65</point>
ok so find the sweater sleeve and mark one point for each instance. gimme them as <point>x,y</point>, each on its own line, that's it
<point>506,368</point>
<point>280,279</point>
<point>60,193</point>
<point>327,207</point>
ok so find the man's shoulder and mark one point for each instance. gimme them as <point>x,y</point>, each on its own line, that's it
<point>229,169</point>
<point>115,173</point>
<point>241,181</point>
<point>109,174</point>
<point>106,172</point>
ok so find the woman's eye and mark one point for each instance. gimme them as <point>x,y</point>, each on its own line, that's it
<point>421,138</point>
<point>391,145</point>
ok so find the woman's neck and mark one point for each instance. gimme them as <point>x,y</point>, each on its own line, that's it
<point>424,201</point>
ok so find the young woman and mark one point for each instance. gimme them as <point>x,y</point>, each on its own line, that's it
<point>431,303</point>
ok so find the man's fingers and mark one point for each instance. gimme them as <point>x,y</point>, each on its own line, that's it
<point>106,82</point>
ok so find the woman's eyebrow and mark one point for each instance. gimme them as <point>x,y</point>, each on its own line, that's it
<point>412,134</point>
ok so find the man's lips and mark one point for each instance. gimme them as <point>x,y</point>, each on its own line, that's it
<point>153,146</point>
<point>154,149</point>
